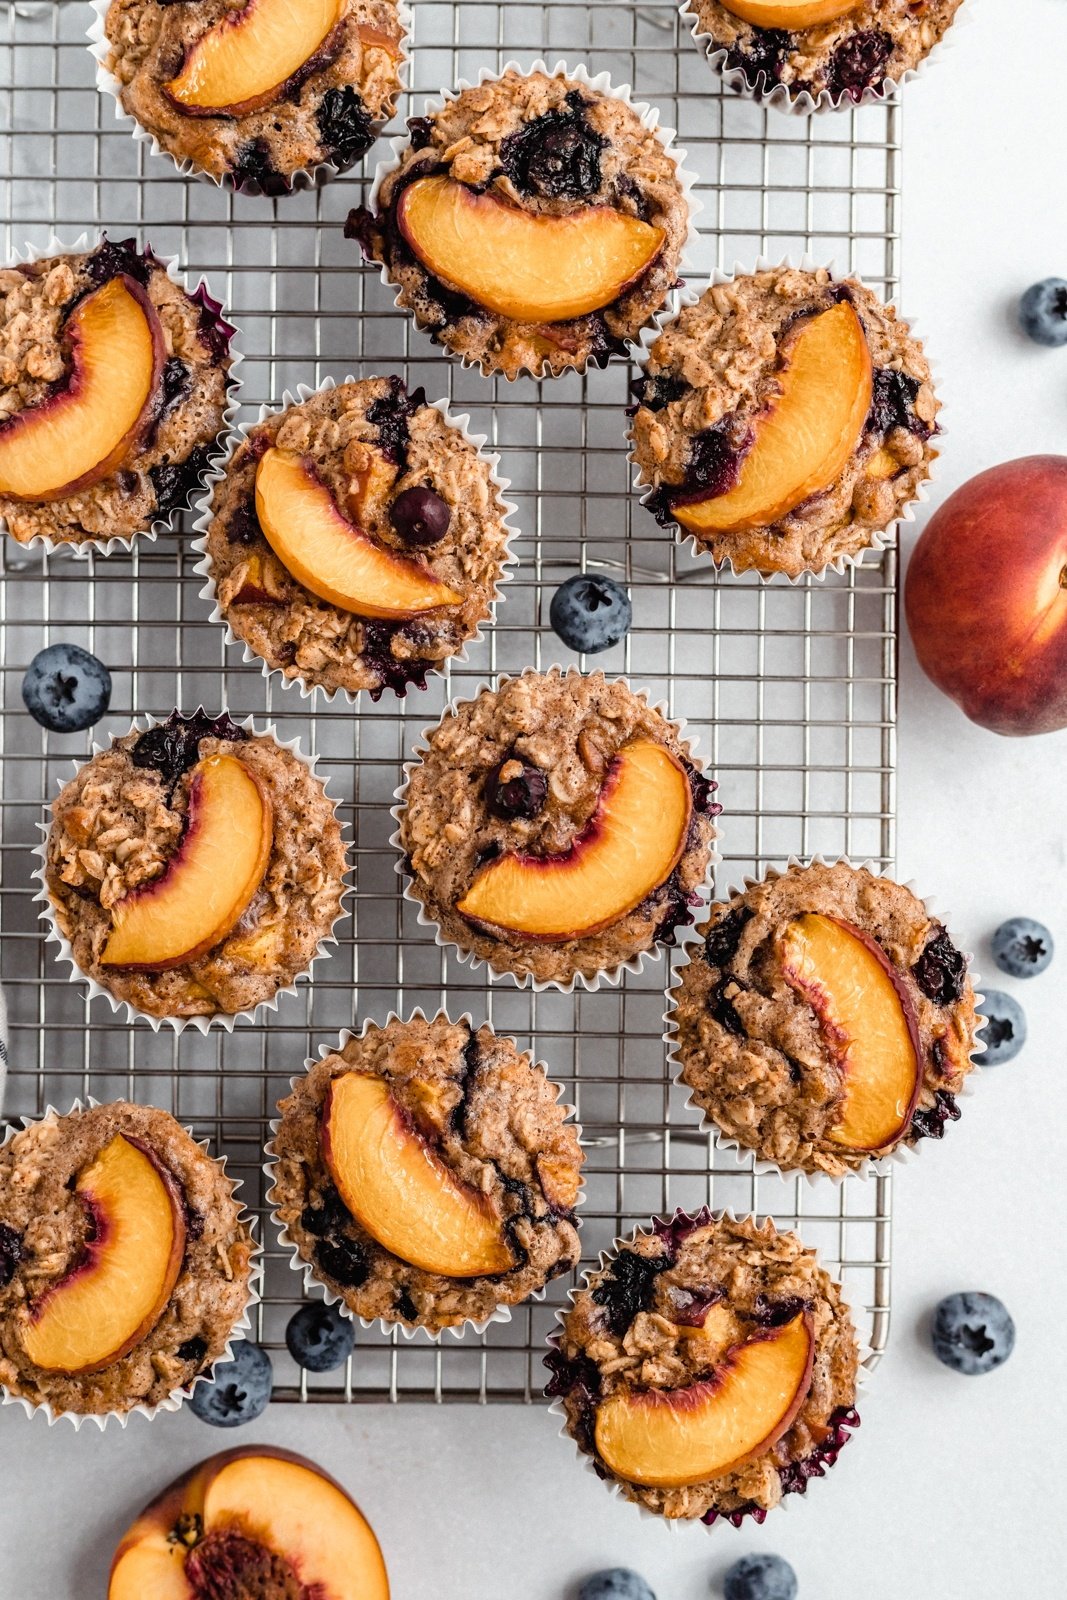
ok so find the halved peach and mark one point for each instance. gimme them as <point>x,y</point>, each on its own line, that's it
<point>114,1295</point>
<point>401,1191</point>
<point>631,844</point>
<point>803,442</point>
<point>209,881</point>
<point>670,1438</point>
<point>867,1022</point>
<point>202,1526</point>
<point>788,14</point>
<point>246,60</point>
<point>527,266</point>
<point>329,555</point>
<point>84,431</point>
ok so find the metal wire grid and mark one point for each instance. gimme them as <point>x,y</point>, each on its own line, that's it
<point>790,689</point>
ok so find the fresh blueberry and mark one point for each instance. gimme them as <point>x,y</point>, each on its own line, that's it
<point>319,1337</point>
<point>66,689</point>
<point>590,614</point>
<point>239,1390</point>
<point>420,516</point>
<point>1043,311</point>
<point>760,1578</point>
<point>1005,1029</point>
<point>1022,948</point>
<point>972,1333</point>
<point>615,1583</point>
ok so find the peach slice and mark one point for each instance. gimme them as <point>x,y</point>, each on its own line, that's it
<point>245,61</point>
<point>529,267</point>
<point>114,1295</point>
<point>208,883</point>
<point>84,431</point>
<point>631,844</point>
<point>670,1438</point>
<point>401,1191</point>
<point>788,14</point>
<point>329,555</point>
<point>245,1503</point>
<point>867,1022</point>
<point>805,439</point>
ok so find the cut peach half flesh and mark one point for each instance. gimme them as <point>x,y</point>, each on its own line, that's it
<point>672,1438</point>
<point>526,266</point>
<point>401,1191</point>
<point>208,883</point>
<point>631,844</point>
<point>804,441</point>
<point>788,14</point>
<point>867,1023</point>
<point>114,1296</point>
<point>84,431</point>
<point>244,61</point>
<point>329,555</point>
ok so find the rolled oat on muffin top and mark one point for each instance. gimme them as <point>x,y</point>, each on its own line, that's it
<point>556,826</point>
<point>825,1020</point>
<point>124,1260</point>
<point>785,421</point>
<point>533,223</point>
<point>427,1174</point>
<point>357,539</point>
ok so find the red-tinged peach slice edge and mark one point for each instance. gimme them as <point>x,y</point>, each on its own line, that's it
<point>246,60</point>
<point>788,14</point>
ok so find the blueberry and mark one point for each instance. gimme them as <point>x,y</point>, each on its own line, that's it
<point>972,1333</point>
<point>517,789</point>
<point>1022,948</point>
<point>1043,312</point>
<point>319,1337</point>
<point>615,1583</point>
<point>420,516</point>
<point>239,1390</point>
<point>10,1253</point>
<point>1005,1029</point>
<point>760,1578</point>
<point>66,689</point>
<point>590,614</point>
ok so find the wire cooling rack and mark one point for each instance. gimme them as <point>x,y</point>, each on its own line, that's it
<point>790,689</point>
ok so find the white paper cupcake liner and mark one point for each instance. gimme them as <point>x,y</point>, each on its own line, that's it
<point>305,178</point>
<point>851,1296</point>
<point>747,1159</point>
<point>160,524</point>
<point>224,1020</point>
<point>881,538</point>
<point>313,1285</point>
<point>205,567</point>
<point>600,84</point>
<point>177,1397</point>
<point>782,98</point>
<point>590,982</point>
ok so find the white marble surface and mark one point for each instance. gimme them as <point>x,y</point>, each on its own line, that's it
<point>945,1494</point>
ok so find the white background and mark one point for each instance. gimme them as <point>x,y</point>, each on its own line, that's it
<point>951,1489</point>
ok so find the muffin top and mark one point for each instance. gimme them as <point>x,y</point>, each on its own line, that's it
<point>124,1259</point>
<point>357,539</point>
<point>842,48</point>
<point>825,1019</point>
<point>708,1368</point>
<point>194,868</point>
<point>533,223</point>
<point>113,391</point>
<point>256,93</point>
<point>784,420</point>
<point>556,826</point>
<point>469,1133</point>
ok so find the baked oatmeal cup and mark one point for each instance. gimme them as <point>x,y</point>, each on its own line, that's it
<point>825,1019</point>
<point>356,539</point>
<point>556,827</point>
<point>126,1263</point>
<point>534,222</point>
<point>116,386</point>
<point>193,870</point>
<point>264,97</point>
<point>426,1175</point>
<point>707,1368</point>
